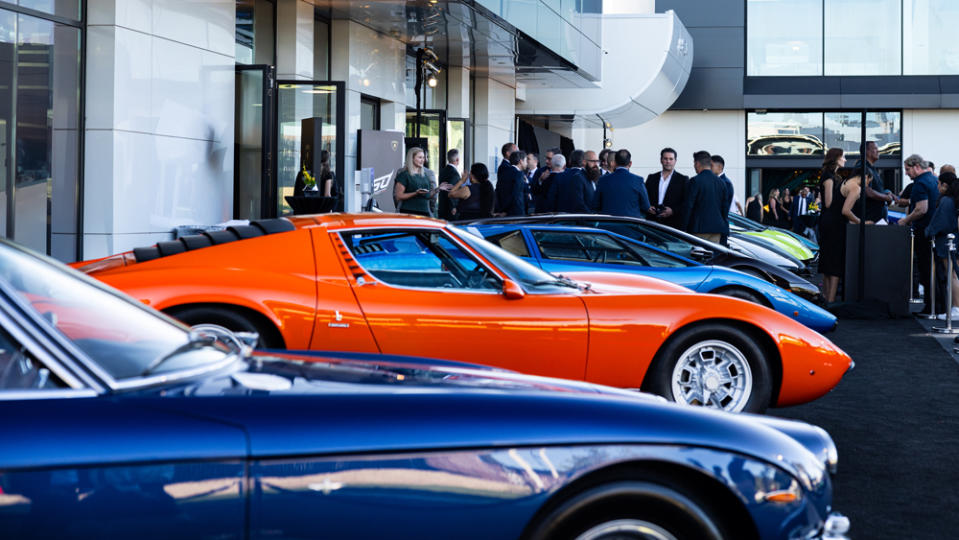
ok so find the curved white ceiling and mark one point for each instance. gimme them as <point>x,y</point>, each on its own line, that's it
<point>645,68</point>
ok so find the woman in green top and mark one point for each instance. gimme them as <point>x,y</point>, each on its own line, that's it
<point>412,190</point>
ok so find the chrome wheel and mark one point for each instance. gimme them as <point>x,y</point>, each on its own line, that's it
<point>626,529</point>
<point>713,374</point>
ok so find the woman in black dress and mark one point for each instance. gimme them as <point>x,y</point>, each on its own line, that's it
<point>773,213</point>
<point>832,246</point>
<point>479,204</point>
<point>754,208</point>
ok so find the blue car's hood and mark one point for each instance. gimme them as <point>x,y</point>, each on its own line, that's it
<point>328,405</point>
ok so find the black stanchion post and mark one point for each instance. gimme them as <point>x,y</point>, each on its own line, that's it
<point>912,266</point>
<point>948,329</point>
<point>931,286</point>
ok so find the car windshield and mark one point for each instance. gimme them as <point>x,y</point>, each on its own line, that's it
<point>531,277</point>
<point>121,335</point>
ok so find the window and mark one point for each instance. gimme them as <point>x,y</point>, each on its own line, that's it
<point>597,248</point>
<point>20,371</point>
<point>653,236</point>
<point>420,259</point>
<point>843,130</point>
<point>255,29</point>
<point>790,133</point>
<point>784,38</point>
<point>863,37</point>
<point>929,46</point>
<point>369,113</point>
<point>512,242</point>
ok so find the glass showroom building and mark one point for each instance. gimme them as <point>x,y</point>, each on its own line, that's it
<point>121,120</point>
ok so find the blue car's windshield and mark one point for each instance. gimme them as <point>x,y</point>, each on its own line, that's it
<point>531,277</point>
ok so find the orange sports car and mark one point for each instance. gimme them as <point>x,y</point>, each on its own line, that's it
<point>415,286</point>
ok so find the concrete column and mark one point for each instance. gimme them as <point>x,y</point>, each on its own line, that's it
<point>294,40</point>
<point>458,95</point>
<point>494,121</point>
<point>159,120</point>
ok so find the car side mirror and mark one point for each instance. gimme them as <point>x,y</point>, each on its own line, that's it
<point>700,254</point>
<point>512,290</point>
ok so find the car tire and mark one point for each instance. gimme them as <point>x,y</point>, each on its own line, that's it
<point>627,510</point>
<point>229,319</point>
<point>743,294</point>
<point>738,374</point>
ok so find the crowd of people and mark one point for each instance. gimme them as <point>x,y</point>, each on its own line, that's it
<point>591,182</point>
<point>584,182</point>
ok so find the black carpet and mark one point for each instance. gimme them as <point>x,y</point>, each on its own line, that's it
<point>895,420</point>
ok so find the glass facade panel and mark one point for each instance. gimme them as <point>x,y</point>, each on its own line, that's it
<point>249,144</point>
<point>297,103</point>
<point>60,8</point>
<point>254,32</point>
<point>785,134</point>
<point>844,130</point>
<point>431,128</point>
<point>863,37</point>
<point>929,46</point>
<point>784,38</point>
<point>39,135</point>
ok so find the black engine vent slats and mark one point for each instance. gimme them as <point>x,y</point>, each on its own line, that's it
<point>212,238</point>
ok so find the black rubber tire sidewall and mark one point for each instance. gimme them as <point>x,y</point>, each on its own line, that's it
<point>226,318</point>
<point>660,378</point>
<point>657,503</point>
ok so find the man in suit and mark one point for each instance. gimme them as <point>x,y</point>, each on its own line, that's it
<point>621,193</point>
<point>541,181</point>
<point>570,192</point>
<point>667,190</point>
<point>511,186</point>
<point>719,169</point>
<point>504,171</point>
<point>449,176</point>
<point>706,210</point>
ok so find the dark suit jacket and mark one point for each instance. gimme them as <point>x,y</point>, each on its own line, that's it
<point>675,195</point>
<point>511,191</point>
<point>570,192</point>
<point>621,193</point>
<point>540,191</point>
<point>706,210</point>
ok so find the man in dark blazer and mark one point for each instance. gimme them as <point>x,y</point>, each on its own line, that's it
<point>511,186</point>
<point>542,180</point>
<point>621,193</point>
<point>667,191</point>
<point>505,171</point>
<point>705,212</point>
<point>570,192</point>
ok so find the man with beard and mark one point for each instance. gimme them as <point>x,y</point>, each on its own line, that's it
<point>667,191</point>
<point>592,170</point>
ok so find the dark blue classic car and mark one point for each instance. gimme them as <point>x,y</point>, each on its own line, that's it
<point>118,422</point>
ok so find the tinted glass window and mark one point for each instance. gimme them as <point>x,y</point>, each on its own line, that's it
<point>598,248</point>
<point>863,37</point>
<point>20,371</point>
<point>420,259</point>
<point>512,242</point>
<point>784,38</point>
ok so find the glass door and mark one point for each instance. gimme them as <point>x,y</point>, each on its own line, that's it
<point>433,129</point>
<point>310,116</point>
<point>253,186</point>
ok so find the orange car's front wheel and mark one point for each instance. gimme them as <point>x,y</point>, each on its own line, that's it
<point>713,365</point>
<point>233,320</point>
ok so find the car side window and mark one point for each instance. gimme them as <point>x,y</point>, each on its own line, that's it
<point>512,242</point>
<point>19,370</point>
<point>596,248</point>
<point>426,259</point>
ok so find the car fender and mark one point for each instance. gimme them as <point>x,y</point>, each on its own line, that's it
<point>622,347</point>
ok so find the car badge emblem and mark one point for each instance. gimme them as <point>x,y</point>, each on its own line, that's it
<point>338,317</point>
<point>326,486</point>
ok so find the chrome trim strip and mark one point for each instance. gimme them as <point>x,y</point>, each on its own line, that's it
<point>20,395</point>
<point>174,376</point>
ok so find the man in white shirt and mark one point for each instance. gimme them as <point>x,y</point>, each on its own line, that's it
<point>667,191</point>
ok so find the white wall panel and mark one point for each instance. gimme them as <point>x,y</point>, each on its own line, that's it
<point>928,133</point>
<point>717,132</point>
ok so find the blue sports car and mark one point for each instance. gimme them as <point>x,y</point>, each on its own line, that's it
<point>558,249</point>
<point>118,422</point>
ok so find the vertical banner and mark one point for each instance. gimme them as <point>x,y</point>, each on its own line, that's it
<point>383,152</point>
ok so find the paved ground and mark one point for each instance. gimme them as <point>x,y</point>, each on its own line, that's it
<point>895,419</point>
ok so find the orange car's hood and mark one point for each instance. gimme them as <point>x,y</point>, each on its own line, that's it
<point>623,283</point>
